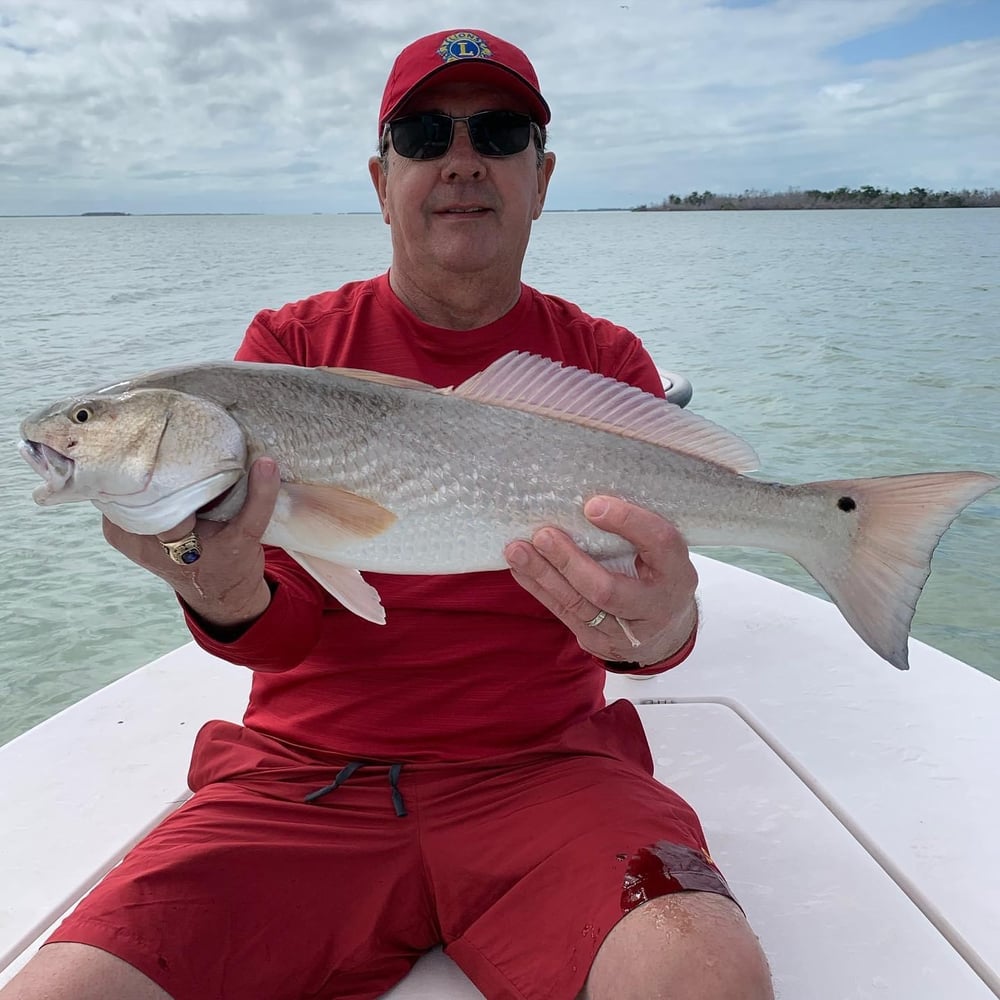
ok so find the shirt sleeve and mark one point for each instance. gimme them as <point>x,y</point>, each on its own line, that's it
<point>289,628</point>
<point>283,635</point>
<point>652,669</point>
<point>631,363</point>
<point>262,343</point>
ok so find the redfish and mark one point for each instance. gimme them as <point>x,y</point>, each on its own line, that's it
<point>386,474</point>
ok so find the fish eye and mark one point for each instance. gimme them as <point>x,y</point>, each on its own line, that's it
<point>81,414</point>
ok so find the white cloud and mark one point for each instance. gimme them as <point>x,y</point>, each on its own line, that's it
<point>270,105</point>
<point>844,93</point>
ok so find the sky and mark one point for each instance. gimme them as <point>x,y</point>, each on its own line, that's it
<point>271,105</point>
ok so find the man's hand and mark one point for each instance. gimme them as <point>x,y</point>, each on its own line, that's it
<point>226,586</point>
<point>659,606</point>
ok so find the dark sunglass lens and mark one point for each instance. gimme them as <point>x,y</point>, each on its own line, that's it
<point>500,133</point>
<point>421,137</point>
<point>493,133</point>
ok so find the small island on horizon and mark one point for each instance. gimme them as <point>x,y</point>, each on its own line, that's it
<point>866,196</point>
<point>792,199</point>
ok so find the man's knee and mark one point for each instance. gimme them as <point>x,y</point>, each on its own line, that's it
<point>66,971</point>
<point>695,945</point>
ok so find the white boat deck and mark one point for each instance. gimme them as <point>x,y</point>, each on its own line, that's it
<point>853,808</point>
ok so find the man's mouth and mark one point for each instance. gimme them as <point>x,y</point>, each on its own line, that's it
<point>464,210</point>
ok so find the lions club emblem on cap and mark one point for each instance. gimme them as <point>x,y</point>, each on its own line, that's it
<point>464,45</point>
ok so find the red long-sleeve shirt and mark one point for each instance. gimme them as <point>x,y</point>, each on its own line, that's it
<point>467,665</point>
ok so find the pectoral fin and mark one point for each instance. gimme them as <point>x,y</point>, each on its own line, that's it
<point>346,584</point>
<point>314,518</point>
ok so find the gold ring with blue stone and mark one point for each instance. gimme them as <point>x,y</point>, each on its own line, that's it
<point>184,551</point>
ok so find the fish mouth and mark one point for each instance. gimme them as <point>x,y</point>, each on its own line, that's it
<point>53,466</point>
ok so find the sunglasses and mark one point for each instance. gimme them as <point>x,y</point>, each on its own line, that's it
<point>493,133</point>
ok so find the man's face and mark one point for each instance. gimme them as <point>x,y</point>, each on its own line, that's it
<point>463,212</point>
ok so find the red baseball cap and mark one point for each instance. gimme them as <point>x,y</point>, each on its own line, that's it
<point>465,55</point>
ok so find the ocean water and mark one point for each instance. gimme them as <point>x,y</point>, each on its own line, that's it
<point>838,343</point>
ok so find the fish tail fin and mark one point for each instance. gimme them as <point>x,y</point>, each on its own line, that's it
<point>893,525</point>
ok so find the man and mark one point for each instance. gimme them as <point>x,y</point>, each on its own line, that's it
<point>453,777</point>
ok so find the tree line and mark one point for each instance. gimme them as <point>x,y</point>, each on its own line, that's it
<point>866,196</point>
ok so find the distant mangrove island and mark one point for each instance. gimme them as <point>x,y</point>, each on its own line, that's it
<point>866,196</point>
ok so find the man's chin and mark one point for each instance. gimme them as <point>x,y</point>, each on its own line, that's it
<point>468,253</point>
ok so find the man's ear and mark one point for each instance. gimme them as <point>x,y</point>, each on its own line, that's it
<point>544,176</point>
<point>378,176</point>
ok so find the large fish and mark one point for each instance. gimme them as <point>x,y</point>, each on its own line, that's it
<point>386,474</point>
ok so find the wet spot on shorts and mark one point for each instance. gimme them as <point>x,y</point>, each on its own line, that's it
<point>664,868</point>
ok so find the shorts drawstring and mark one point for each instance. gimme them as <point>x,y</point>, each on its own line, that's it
<point>355,765</point>
<point>397,796</point>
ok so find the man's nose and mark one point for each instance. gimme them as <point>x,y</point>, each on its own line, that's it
<point>462,158</point>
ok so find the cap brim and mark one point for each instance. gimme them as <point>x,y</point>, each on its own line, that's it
<point>484,72</point>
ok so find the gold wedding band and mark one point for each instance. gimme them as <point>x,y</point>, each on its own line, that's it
<point>597,619</point>
<point>184,551</point>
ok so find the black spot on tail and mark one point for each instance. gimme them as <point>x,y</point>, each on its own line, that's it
<point>847,504</point>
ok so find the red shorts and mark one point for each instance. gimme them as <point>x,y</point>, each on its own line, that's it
<point>518,865</point>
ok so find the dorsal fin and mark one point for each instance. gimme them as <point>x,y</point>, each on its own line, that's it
<point>395,380</point>
<point>529,382</point>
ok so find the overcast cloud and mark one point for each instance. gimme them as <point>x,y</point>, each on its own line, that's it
<point>270,105</point>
